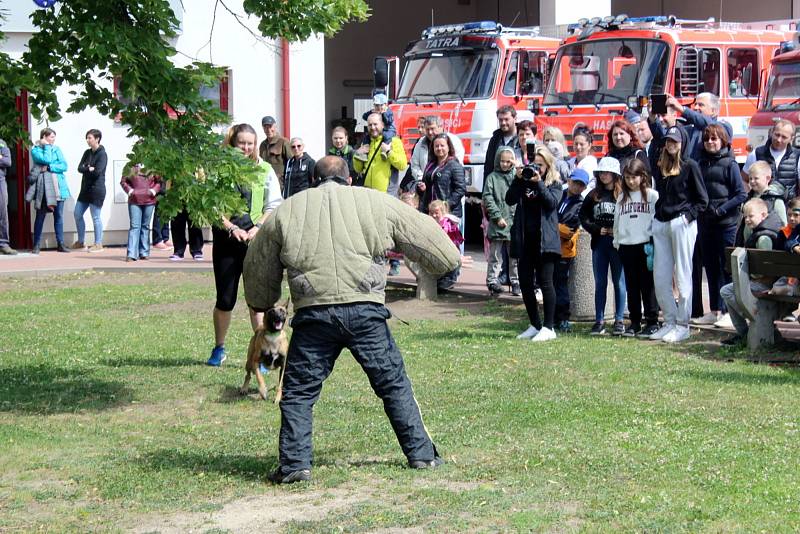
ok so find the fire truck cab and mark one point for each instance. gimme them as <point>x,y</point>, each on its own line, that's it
<point>610,65</point>
<point>463,73</point>
<point>780,98</point>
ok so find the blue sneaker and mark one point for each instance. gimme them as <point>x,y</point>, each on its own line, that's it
<point>263,369</point>
<point>218,356</point>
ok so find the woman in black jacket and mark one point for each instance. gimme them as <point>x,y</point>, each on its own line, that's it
<point>443,178</point>
<point>624,144</point>
<point>535,240</point>
<point>299,171</point>
<point>717,224</point>
<point>682,198</point>
<point>93,191</point>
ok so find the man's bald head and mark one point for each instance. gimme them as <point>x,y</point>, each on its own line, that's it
<point>332,166</point>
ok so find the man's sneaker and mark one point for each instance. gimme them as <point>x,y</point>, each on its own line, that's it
<point>8,251</point>
<point>659,334</point>
<point>708,319</point>
<point>78,245</point>
<point>515,289</point>
<point>735,339</point>
<point>394,270</point>
<point>35,251</point>
<point>564,327</point>
<point>678,334</point>
<point>598,329</point>
<point>160,245</point>
<point>545,334</point>
<point>175,257</point>
<point>263,369</point>
<point>218,355</point>
<point>619,328</point>
<point>529,332</point>
<point>724,321</point>
<point>425,464</point>
<point>62,248</point>
<point>97,247</point>
<point>197,257</point>
<point>278,477</point>
<point>495,289</point>
<point>648,331</point>
<point>630,332</point>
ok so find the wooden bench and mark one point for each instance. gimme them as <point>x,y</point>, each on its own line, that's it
<point>762,310</point>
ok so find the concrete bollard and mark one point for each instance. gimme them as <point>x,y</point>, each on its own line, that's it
<point>581,284</point>
<point>426,283</point>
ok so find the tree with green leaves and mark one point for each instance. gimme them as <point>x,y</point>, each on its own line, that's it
<point>86,43</point>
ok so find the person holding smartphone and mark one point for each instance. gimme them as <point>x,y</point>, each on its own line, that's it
<point>536,192</point>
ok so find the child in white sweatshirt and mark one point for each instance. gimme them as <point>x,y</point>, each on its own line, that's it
<point>633,221</point>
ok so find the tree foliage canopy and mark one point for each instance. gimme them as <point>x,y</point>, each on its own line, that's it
<point>86,43</point>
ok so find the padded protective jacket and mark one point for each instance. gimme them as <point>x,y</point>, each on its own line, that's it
<point>332,241</point>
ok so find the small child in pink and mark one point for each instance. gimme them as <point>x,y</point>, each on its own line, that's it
<point>439,210</point>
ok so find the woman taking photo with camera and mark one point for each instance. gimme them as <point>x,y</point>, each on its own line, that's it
<point>535,243</point>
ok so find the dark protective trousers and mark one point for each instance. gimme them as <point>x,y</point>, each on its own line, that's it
<point>319,334</point>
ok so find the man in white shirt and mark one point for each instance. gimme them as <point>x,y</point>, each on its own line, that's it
<point>784,160</point>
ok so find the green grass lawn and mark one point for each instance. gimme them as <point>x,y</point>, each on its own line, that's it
<point>110,422</point>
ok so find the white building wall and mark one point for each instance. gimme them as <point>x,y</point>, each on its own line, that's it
<point>255,89</point>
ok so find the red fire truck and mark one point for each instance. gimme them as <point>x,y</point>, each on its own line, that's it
<point>463,73</point>
<point>780,98</point>
<point>609,65</point>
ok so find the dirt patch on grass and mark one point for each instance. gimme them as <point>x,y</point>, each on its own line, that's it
<point>261,513</point>
<point>406,307</point>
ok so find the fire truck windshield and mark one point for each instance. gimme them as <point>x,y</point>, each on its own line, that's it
<point>607,71</point>
<point>454,74</point>
<point>783,87</point>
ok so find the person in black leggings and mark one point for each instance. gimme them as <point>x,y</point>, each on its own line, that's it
<point>231,240</point>
<point>535,240</point>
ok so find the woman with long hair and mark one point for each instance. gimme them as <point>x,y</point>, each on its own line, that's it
<point>624,144</point>
<point>583,159</point>
<point>233,235</point>
<point>682,197</point>
<point>443,178</point>
<point>535,241</point>
<point>47,154</point>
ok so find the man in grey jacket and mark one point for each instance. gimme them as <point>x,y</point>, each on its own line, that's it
<point>332,240</point>
<point>5,163</point>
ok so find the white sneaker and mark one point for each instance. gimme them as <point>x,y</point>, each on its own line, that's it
<point>708,319</point>
<point>545,334</point>
<point>661,332</point>
<point>724,321</point>
<point>678,334</point>
<point>529,332</point>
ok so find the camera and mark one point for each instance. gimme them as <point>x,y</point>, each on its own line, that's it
<point>529,170</point>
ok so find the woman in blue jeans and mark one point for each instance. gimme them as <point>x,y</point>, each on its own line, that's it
<point>597,217</point>
<point>141,190</point>
<point>46,153</point>
<point>93,190</point>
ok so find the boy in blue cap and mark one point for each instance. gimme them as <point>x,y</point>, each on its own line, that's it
<point>568,227</point>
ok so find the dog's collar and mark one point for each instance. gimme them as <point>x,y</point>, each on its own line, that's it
<point>273,334</point>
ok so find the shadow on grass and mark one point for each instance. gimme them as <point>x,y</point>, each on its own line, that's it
<point>231,395</point>
<point>49,390</point>
<point>244,466</point>
<point>727,376</point>
<point>140,361</point>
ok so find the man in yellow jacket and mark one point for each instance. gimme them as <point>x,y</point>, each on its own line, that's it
<point>384,161</point>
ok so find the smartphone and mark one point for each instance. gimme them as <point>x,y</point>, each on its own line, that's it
<point>659,104</point>
<point>530,152</point>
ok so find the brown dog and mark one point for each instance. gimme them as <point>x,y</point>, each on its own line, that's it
<point>268,346</point>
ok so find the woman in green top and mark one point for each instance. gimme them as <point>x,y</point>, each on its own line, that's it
<point>231,240</point>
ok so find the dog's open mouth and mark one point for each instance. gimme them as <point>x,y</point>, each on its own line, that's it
<point>278,326</point>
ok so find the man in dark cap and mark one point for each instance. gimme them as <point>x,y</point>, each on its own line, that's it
<point>274,149</point>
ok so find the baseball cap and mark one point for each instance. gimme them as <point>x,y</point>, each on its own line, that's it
<point>608,164</point>
<point>675,134</point>
<point>579,175</point>
<point>268,120</point>
<point>380,99</point>
<point>632,117</point>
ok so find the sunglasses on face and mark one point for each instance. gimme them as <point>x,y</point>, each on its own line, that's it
<point>297,146</point>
